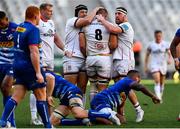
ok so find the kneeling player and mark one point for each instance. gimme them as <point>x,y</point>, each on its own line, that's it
<point>115,96</point>
<point>70,101</point>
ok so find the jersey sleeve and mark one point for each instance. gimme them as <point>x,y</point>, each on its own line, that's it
<point>71,22</point>
<point>178,33</point>
<point>124,27</point>
<point>34,37</point>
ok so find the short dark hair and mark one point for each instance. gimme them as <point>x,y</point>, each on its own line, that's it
<point>157,31</point>
<point>132,73</point>
<point>78,8</point>
<point>2,14</point>
<point>44,5</point>
<point>122,9</point>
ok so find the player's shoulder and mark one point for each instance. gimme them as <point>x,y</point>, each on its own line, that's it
<point>72,20</point>
<point>178,32</point>
<point>13,25</point>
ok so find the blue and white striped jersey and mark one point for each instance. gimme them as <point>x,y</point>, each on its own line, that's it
<point>7,44</point>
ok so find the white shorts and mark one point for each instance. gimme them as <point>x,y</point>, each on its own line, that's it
<point>158,68</point>
<point>48,64</point>
<point>121,67</point>
<point>108,111</point>
<point>99,66</point>
<point>73,65</point>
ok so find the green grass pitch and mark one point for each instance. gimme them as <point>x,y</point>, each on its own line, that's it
<point>156,116</point>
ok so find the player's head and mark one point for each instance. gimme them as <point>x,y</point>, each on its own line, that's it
<point>158,36</point>
<point>4,22</point>
<point>103,12</point>
<point>81,11</point>
<point>46,10</point>
<point>120,15</point>
<point>135,75</point>
<point>32,14</point>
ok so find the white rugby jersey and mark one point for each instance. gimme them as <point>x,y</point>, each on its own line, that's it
<point>125,43</point>
<point>47,31</point>
<point>72,38</point>
<point>158,53</point>
<point>97,38</point>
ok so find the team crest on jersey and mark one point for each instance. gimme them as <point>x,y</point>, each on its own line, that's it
<point>9,37</point>
<point>99,46</point>
<point>20,29</point>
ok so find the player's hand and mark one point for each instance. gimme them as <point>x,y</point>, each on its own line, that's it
<point>40,78</point>
<point>68,54</point>
<point>50,101</point>
<point>176,63</point>
<point>100,18</point>
<point>122,118</point>
<point>155,99</point>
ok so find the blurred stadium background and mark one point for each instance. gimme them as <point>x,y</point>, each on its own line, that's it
<point>144,15</point>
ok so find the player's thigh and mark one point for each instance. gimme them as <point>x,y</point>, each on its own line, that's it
<point>6,85</point>
<point>82,80</point>
<point>60,112</point>
<point>156,76</point>
<point>40,93</point>
<point>19,92</point>
<point>48,64</point>
<point>91,66</point>
<point>104,65</point>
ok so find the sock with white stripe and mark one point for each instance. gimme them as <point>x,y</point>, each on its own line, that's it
<point>8,109</point>
<point>43,112</point>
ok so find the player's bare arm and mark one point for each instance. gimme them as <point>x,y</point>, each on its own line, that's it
<point>35,59</point>
<point>82,43</point>
<point>111,27</point>
<point>113,41</point>
<point>139,87</point>
<point>58,42</point>
<point>173,46</point>
<point>121,114</point>
<point>146,60</point>
<point>86,20</point>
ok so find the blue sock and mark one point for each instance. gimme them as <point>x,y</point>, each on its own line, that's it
<point>92,114</point>
<point>8,109</point>
<point>43,112</point>
<point>12,116</point>
<point>71,122</point>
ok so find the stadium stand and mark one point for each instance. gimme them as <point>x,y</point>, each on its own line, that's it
<point>144,15</point>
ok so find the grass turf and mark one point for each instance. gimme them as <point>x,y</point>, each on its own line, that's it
<point>156,116</point>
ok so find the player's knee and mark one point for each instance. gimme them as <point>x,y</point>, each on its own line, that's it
<point>56,117</point>
<point>49,77</point>
<point>40,94</point>
<point>102,84</point>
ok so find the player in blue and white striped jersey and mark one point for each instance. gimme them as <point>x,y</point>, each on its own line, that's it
<point>6,58</point>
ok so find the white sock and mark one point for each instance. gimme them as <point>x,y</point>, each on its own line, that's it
<point>157,90</point>
<point>162,90</point>
<point>33,107</point>
<point>93,89</point>
<point>137,107</point>
<point>84,100</point>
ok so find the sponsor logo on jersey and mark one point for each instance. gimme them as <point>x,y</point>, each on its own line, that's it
<point>7,44</point>
<point>20,29</point>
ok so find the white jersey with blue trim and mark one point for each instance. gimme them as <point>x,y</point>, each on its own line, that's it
<point>125,43</point>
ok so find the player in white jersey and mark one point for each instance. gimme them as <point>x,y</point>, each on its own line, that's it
<point>158,51</point>
<point>123,56</point>
<point>49,37</point>
<point>74,61</point>
<point>98,58</point>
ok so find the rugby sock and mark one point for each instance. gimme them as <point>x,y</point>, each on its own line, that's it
<point>162,89</point>
<point>92,114</point>
<point>157,90</point>
<point>71,122</point>
<point>8,110</point>
<point>84,99</point>
<point>137,107</point>
<point>42,109</point>
<point>93,89</point>
<point>33,107</point>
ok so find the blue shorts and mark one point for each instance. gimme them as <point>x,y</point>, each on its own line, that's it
<point>5,69</point>
<point>99,102</point>
<point>28,78</point>
<point>74,93</point>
